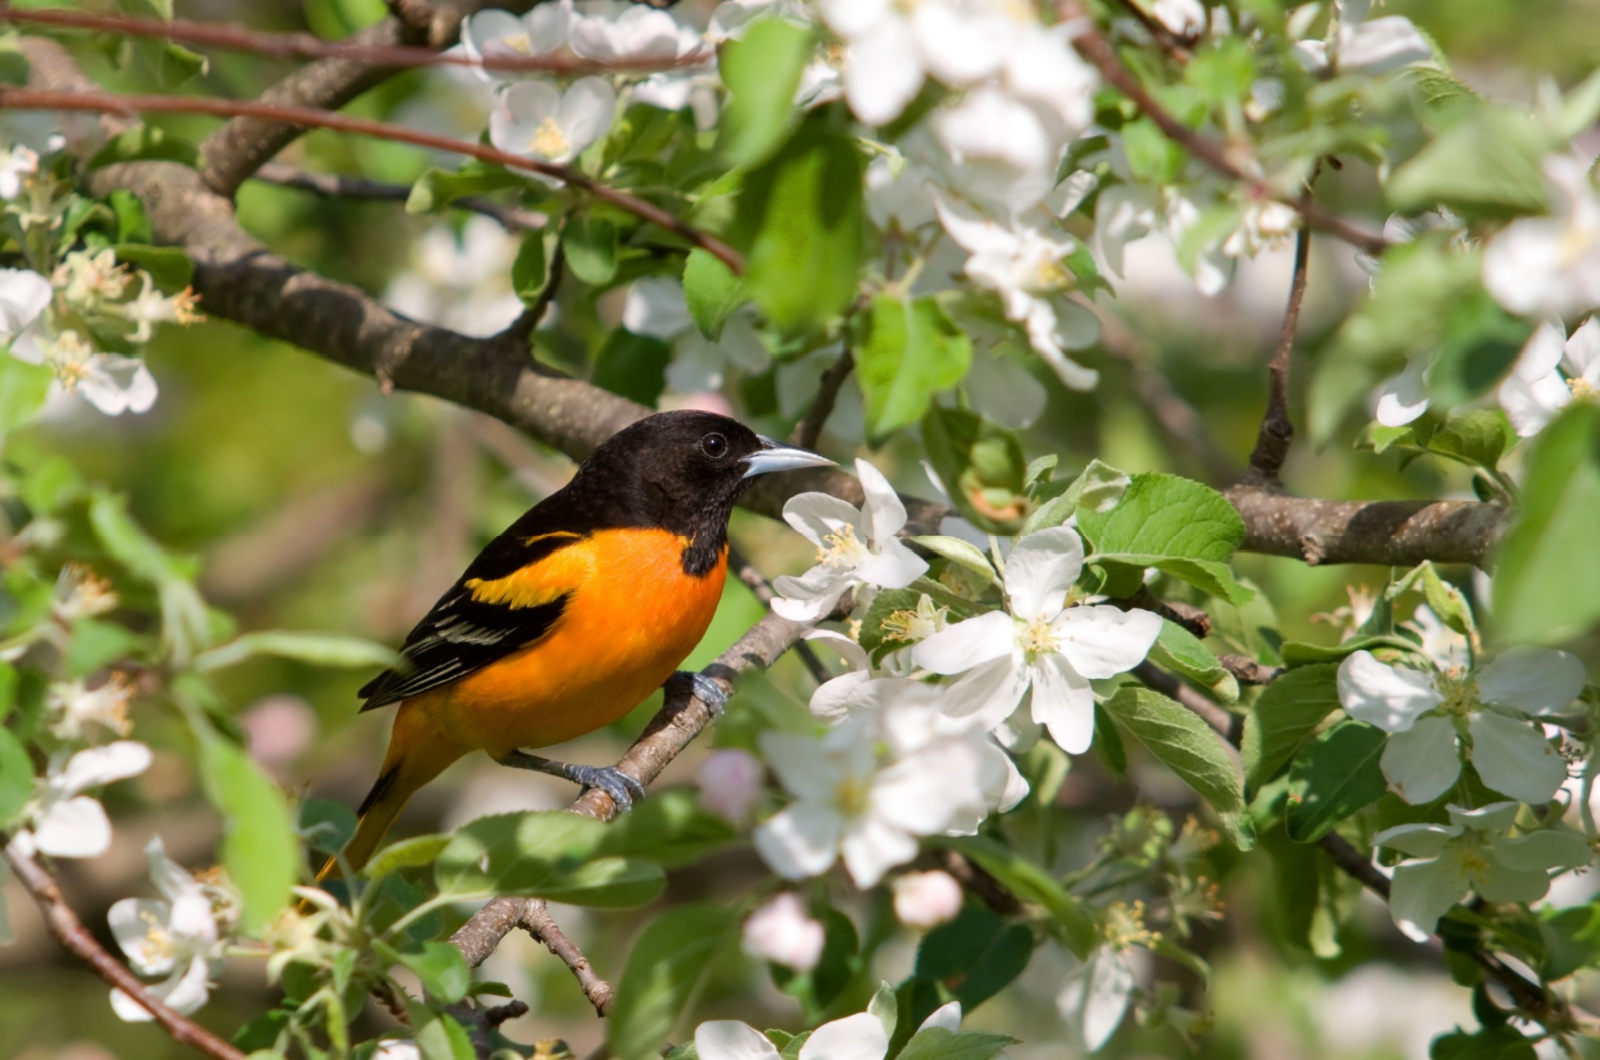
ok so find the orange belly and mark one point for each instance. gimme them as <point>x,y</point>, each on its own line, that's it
<point>632,619</point>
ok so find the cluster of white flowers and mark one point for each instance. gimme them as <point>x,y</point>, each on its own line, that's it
<point>53,320</point>
<point>907,755</point>
<point>859,1037</point>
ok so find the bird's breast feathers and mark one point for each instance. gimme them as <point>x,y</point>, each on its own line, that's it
<point>630,616</point>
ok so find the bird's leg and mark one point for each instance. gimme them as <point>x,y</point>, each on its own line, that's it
<point>698,685</point>
<point>622,788</point>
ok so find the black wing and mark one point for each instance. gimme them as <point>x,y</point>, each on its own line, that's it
<point>460,635</point>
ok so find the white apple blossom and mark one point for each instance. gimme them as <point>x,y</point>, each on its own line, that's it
<point>1550,374</point>
<point>150,307</point>
<point>75,707</point>
<point>1474,853</point>
<point>1024,267</point>
<point>17,164</point>
<point>1094,997</point>
<point>538,120</point>
<point>855,546</point>
<point>500,34</point>
<point>1550,266</point>
<point>732,18</point>
<point>179,938</point>
<point>832,700</point>
<point>924,900</point>
<point>1186,18</point>
<point>112,383</point>
<point>730,783</point>
<point>858,1037</point>
<point>616,31</point>
<point>783,932</point>
<point>1426,713</point>
<point>868,787</point>
<point>1362,46</point>
<point>24,295</point>
<point>64,822</point>
<point>1042,644</point>
<point>462,282</point>
<point>656,306</point>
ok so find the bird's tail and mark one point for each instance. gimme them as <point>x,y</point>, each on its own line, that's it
<point>419,750</point>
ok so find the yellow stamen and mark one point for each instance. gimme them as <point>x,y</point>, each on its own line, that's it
<point>548,140</point>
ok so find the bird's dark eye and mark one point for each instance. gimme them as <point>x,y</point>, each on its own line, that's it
<point>714,445</point>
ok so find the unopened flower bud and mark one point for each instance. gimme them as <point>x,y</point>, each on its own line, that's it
<point>924,900</point>
<point>784,933</point>
<point>729,783</point>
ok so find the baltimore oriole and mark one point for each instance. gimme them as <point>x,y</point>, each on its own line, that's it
<point>572,616</point>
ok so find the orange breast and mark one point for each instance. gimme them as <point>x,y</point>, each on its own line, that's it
<point>631,618</point>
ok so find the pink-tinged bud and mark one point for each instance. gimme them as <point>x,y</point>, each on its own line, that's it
<point>924,900</point>
<point>784,933</point>
<point>729,783</point>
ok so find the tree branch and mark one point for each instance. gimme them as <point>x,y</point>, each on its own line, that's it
<point>64,925</point>
<point>1391,533</point>
<point>808,430</point>
<point>330,186</point>
<point>1097,51</point>
<point>312,117</point>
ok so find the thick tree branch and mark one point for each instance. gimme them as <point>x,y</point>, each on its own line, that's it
<point>77,940</point>
<point>315,118</point>
<point>1097,51</point>
<point>1390,533</point>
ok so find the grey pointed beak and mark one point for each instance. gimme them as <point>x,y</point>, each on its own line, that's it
<point>775,456</point>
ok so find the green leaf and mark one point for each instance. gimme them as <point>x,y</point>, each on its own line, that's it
<point>1493,1043</point>
<point>1444,599</point>
<point>879,640</point>
<point>762,71</point>
<point>406,854</point>
<point>837,965</point>
<point>16,777</point>
<point>23,389</point>
<point>1486,166</point>
<point>1478,344</point>
<point>1222,72</point>
<point>712,291</point>
<point>260,850</point>
<point>144,143</point>
<point>961,552</point>
<point>591,249</point>
<point>442,1038</point>
<point>906,352</point>
<point>1334,776</point>
<point>1172,524</point>
<point>663,972</point>
<point>1031,883</point>
<point>1479,437</point>
<point>96,644</point>
<point>1544,591</point>
<point>544,854</point>
<point>1152,156</point>
<point>800,214</point>
<point>1180,651</point>
<point>634,366</point>
<point>936,1043</point>
<point>169,267</point>
<point>438,188</point>
<point>318,649</point>
<point>528,271</point>
<point>670,828</point>
<point>1190,748</point>
<point>1098,488</point>
<point>981,465</point>
<point>442,970</point>
<point>1301,653</point>
<point>974,956</point>
<point>1283,718</point>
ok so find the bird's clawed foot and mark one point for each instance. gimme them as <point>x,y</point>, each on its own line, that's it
<point>622,788</point>
<point>699,686</point>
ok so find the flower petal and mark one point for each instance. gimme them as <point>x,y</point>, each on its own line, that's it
<point>1390,697</point>
<point>1532,680</point>
<point>871,847</point>
<point>894,566</point>
<point>967,644</point>
<point>732,1040</point>
<point>1101,641</point>
<point>884,512</point>
<point>801,841</point>
<point>1422,762</point>
<point>73,828</point>
<point>1040,570</point>
<point>1421,892</point>
<point>1515,759</point>
<point>131,920</point>
<point>858,1037</point>
<point>1064,704</point>
<point>815,516</point>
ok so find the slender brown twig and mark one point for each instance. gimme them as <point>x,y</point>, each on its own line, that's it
<point>330,186</point>
<point>520,329</point>
<point>757,583</point>
<point>307,46</point>
<point>77,940</point>
<point>311,117</point>
<point>1170,42</point>
<point>1272,443</point>
<point>808,430</point>
<point>536,920</point>
<point>1094,48</point>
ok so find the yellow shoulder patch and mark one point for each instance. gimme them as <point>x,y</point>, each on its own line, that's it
<point>542,581</point>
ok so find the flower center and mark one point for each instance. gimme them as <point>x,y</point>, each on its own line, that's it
<point>548,140</point>
<point>1050,275</point>
<point>1582,389</point>
<point>1125,926</point>
<point>1037,638</point>
<point>1460,693</point>
<point>851,795</point>
<point>842,549</point>
<point>520,43</point>
<point>157,944</point>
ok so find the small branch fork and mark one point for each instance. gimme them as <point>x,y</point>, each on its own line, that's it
<point>307,46</point>
<point>360,189</point>
<point>1272,444</point>
<point>315,118</point>
<point>77,940</point>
